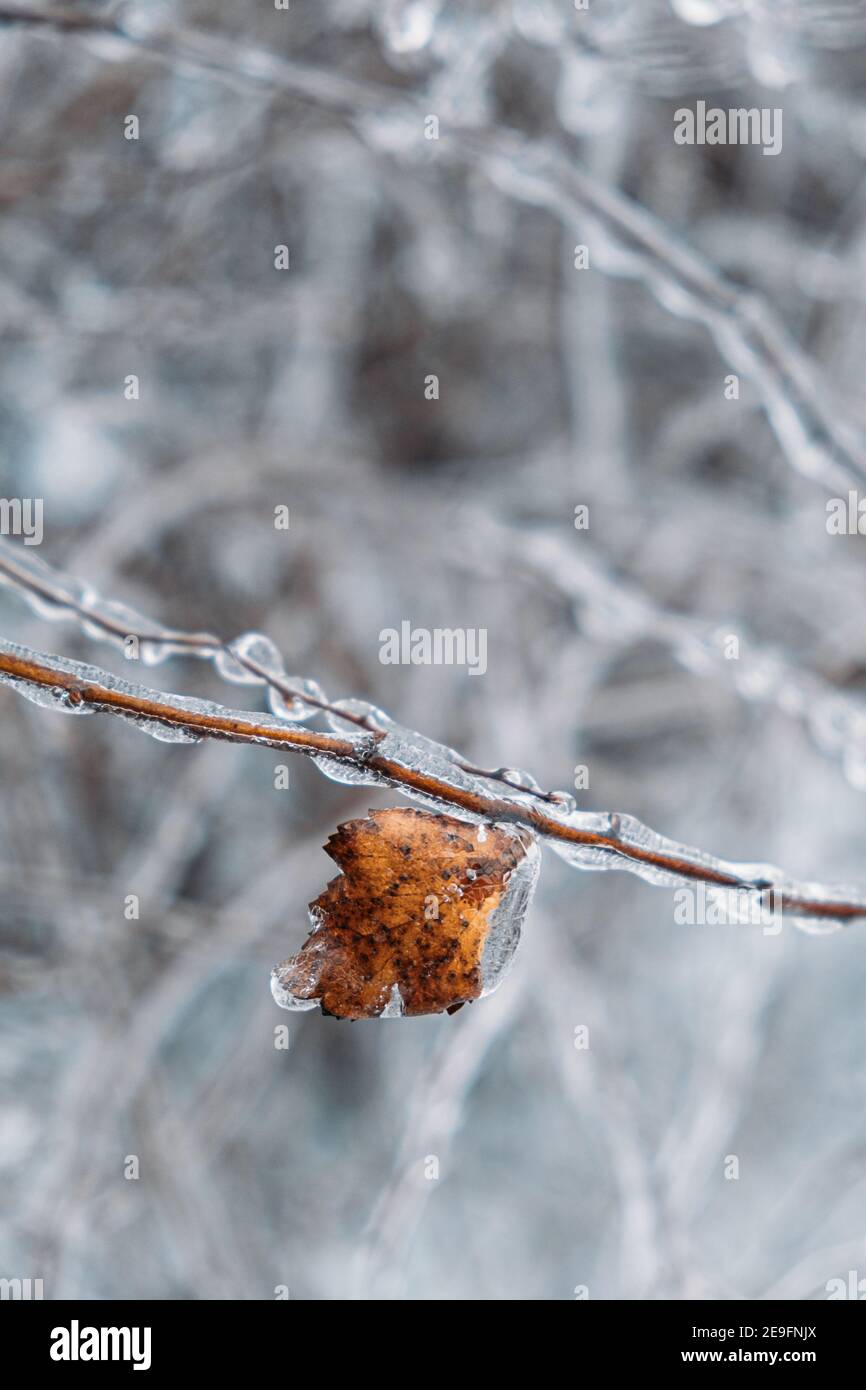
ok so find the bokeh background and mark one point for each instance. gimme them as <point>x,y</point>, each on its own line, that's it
<point>559,1168</point>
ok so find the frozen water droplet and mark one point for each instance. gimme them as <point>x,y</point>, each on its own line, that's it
<point>48,697</point>
<point>230,669</point>
<point>67,700</point>
<point>249,660</point>
<point>296,707</point>
<point>344,772</point>
<point>517,778</point>
<point>286,999</point>
<point>258,649</point>
<point>154,649</point>
<point>168,733</point>
<point>371,715</point>
<point>351,775</point>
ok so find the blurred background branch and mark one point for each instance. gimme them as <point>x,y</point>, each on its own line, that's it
<point>559,1166</point>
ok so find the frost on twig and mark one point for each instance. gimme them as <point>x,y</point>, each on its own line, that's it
<point>364,746</point>
<point>609,608</point>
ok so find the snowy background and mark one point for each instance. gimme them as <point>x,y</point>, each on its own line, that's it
<point>559,1168</point>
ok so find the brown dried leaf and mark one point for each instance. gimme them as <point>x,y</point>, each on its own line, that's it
<point>425,916</point>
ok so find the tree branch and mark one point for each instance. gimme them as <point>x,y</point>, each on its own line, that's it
<point>380,758</point>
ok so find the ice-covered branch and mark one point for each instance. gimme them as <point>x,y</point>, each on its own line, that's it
<point>610,609</point>
<point>815,439</point>
<point>251,659</point>
<point>421,770</point>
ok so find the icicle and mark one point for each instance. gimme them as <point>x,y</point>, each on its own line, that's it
<point>48,697</point>
<point>346,773</point>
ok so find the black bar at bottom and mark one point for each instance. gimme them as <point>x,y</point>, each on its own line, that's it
<point>66,1338</point>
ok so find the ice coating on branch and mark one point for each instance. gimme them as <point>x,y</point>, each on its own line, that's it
<point>249,660</point>
<point>626,832</point>
<point>405,749</point>
<point>763,879</point>
<point>343,716</point>
<point>50,592</point>
<point>516,777</point>
<point>296,708</point>
<point>164,733</point>
<point>370,733</point>
<point>253,659</point>
<point>605,607</point>
<point>630,845</point>
<point>259,724</point>
<point>347,773</point>
<point>412,751</point>
<point>60,597</point>
<point>47,697</point>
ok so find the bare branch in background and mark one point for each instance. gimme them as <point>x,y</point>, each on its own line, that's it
<point>817,440</point>
<point>666,1100</point>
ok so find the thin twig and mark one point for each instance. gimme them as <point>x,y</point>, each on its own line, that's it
<point>101,693</point>
<point>53,587</point>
